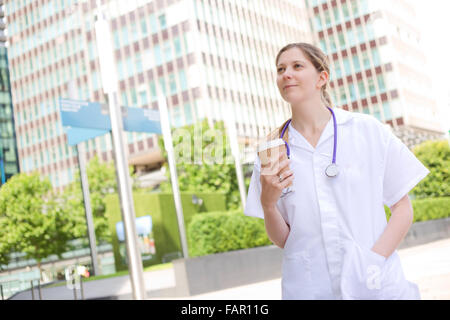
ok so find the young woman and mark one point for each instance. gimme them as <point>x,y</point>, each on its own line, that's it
<point>344,167</point>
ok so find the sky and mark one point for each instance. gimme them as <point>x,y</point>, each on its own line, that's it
<point>434,23</point>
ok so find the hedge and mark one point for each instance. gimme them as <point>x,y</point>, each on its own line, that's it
<point>215,232</point>
<point>161,207</point>
<point>428,209</point>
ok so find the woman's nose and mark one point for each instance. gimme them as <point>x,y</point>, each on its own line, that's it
<point>287,75</point>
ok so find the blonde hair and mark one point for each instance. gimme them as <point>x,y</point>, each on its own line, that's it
<point>320,61</point>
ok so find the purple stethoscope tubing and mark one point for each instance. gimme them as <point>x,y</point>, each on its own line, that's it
<point>333,164</point>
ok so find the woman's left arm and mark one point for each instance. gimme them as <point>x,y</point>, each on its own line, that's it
<point>396,229</point>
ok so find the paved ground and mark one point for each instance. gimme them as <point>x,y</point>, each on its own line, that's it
<point>426,265</point>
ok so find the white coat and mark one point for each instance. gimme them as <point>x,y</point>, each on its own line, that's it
<point>334,222</point>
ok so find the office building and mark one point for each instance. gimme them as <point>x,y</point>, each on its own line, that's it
<point>211,58</point>
<point>374,49</point>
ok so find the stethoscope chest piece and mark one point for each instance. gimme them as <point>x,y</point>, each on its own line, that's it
<point>332,170</point>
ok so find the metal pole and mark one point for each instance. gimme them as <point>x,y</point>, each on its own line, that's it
<point>110,87</point>
<point>1,289</point>
<point>32,290</point>
<point>87,206</point>
<point>167,135</point>
<point>232,134</point>
<point>126,201</point>
<point>86,195</point>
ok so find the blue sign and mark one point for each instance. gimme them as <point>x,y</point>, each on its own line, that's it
<point>84,114</point>
<point>84,120</point>
<point>141,120</point>
<point>143,227</point>
<point>78,135</point>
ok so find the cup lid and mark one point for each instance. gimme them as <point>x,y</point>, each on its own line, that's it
<point>269,144</point>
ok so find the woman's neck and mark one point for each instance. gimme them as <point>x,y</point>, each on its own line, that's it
<point>310,118</point>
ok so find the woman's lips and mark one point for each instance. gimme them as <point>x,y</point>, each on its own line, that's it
<point>292,85</point>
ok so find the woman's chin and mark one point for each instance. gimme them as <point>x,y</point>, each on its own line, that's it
<point>292,99</point>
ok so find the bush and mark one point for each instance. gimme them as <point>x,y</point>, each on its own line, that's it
<point>214,232</point>
<point>219,231</point>
<point>435,155</point>
<point>428,209</point>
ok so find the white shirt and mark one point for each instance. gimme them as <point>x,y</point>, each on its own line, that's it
<point>334,222</point>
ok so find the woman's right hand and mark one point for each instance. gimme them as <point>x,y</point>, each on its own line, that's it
<point>270,180</point>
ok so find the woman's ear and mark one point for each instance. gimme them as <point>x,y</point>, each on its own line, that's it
<point>323,79</point>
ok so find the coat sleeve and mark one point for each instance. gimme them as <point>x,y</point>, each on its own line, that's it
<point>253,206</point>
<point>402,170</point>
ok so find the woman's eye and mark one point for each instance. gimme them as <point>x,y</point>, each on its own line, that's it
<point>298,65</point>
<point>279,69</point>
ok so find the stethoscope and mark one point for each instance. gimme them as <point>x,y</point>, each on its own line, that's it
<point>332,169</point>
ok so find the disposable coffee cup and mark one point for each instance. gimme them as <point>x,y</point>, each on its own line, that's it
<point>270,151</point>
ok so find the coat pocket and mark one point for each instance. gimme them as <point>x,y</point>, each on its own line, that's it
<point>395,285</point>
<point>366,275</point>
<point>296,279</point>
<point>362,274</point>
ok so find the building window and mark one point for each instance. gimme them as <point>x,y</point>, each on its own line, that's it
<point>143,98</point>
<point>361,89</point>
<point>172,83</point>
<point>116,39</point>
<point>125,35</point>
<point>158,56</point>
<point>352,92</point>
<point>366,60</point>
<point>356,64</point>
<point>133,97</point>
<point>124,99</point>
<point>188,113</point>
<point>167,52</point>
<point>162,21</point>
<point>177,45</point>
<point>130,69</point>
<point>346,66</point>
<point>143,27</point>
<point>381,84</point>
<point>376,57</point>
<point>371,86</point>
<point>138,62</point>
<point>153,91</point>
<point>183,81</point>
<point>153,23</point>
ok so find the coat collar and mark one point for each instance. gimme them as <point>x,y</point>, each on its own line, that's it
<point>342,117</point>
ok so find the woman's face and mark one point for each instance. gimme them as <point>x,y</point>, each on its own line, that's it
<point>297,78</point>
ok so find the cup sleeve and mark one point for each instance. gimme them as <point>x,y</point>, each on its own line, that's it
<point>253,206</point>
<point>402,171</point>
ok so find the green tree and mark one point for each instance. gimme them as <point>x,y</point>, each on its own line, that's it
<point>33,221</point>
<point>435,155</point>
<point>102,181</point>
<point>204,161</point>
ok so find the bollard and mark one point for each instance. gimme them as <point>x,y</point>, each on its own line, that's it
<point>81,288</point>
<point>74,289</point>
<point>1,289</point>
<point>39,287</point>
<point>32,290</point>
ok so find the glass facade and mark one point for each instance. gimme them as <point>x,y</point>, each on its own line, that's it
<point>9,165</point>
